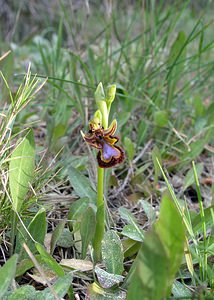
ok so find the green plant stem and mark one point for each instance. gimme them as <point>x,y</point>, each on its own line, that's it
<point>203,264</point>
<point>14,221</point>
<point>100,215</point>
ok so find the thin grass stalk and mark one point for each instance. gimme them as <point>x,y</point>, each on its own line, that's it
<point>203,262</point>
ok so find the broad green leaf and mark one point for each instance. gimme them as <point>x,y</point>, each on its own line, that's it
<point>126,215</point>
<point>56,235</point>
<point>149,280</point>
<point>107,280</point>
<point>95,292</point>
<point>180,290</point>
<point>65,240</point>
<point>160,256</point>
<point>76,210</point>
<point>81,184</point>
<point>7,274</point>
<point>189,178</point>
<point>112,253</point>
<point>149,210</point>
<point>77,264</point>
<point>87,229</point>
<point>171,232</point>
<point>26,292</point>
<point>50,261</point>
<point>21,170</point>
<point>37,230</point>
<point>129,147</point>
<point>130,247</point>
<point>60,287</point>
<point>131,232</point>
<point>24,265</point>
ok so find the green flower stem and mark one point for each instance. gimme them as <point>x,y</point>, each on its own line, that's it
<point>100,215</point>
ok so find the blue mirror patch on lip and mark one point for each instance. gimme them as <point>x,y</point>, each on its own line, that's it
<point>109,151</point>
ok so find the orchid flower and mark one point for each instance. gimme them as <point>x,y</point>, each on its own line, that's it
<point>104,140</point>
<point>101,136</point>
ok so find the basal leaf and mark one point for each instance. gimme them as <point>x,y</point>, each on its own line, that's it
<point>81,184</point>
<point>7,274</point>
<point>24,265</point>
<point>131,232</point>
<point>106,279</point>
<point>66,239</point>
<point>149,210</point>
<point>76,211</point>
<point>26,292</point>
<point>87,229</point>
<point>36,232</point>
<point>171,232</point>
<point>155,267</point>
<point>38,227</point>
<point>95,292</point>
<point>21,170</point>
<point>112,253</point>
<point>180,290</point>
<point>77,264</point>
<point>60,287</point>
<point>126,215</point>
<point>49,260</point>
<point>56,235</point>
<point>130,247</point>
<point>149,280</point>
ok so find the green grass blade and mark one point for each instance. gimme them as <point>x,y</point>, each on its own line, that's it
<point>203,224</point>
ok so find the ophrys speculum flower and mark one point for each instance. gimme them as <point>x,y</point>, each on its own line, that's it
<point>101,136</point>
<point>104,140</point>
